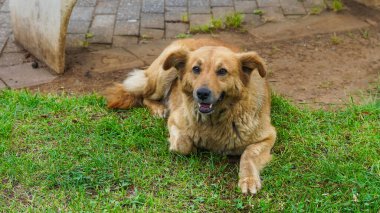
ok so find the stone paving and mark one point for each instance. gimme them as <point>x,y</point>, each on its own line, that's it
<point>125,23</point>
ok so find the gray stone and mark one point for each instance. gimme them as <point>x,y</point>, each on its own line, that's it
<point>5,7</point>
<point>252,20</point>
<point>23,75</point>
<point>82,14</point>
<point>221,3</point>
<point>129,10</point>
<point>124,41</point>
<point>221,12</point>
<point>127,27</point>
<point>313,3</point>
<point>272,14</point>
<point>11,59</point>
<point>12,47</point>
<point>199,6</point>
<point>102,28</point>
<point>78,26</point>
<point>107,7</point>
<point>199,19</point>
<point>5,21</point>
<point>245,6</point>
<point>3,42</point>
<point>2,85</point>
<point>151,20</point>
<point>175,13</point>
<point>176,3</point>
<point>292,7</point>
<point>173,29</point>
<point>153,6</point>
<point>268,3</point>
<point>86,3</point>
<point>147,33</point>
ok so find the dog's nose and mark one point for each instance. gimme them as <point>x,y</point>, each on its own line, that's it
<point>203,93</point>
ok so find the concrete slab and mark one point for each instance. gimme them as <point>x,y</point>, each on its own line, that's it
<point>23,75</point>
<point>106,61</point>
<point>326,23</point>
<point>11,59</point>
<point>40,27</point>
<point>103,27</point>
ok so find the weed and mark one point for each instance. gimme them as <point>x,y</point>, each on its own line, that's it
<point>185,18</point>
<point>146,37</point>
<point>364,33</point>
<point>201,29</point>
<point>234,21</point>
<point>183,35</point>
<point>316,10</point>
<point>337,5</point>
<point>86,42</point>
<point>216,24</point>
<point>258,12</point>
<point>335,39</point>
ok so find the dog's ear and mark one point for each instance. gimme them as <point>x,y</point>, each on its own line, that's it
<point>176,59</point>
<point>250,61</point>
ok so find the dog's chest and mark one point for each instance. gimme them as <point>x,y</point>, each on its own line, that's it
<point>228,138</point>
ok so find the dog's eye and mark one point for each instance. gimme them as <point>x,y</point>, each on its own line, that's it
<point>196,70</point>
<point>221,72</point>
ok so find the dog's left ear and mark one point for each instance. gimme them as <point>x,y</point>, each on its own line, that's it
<point>176,59</point>
<point>250,61</point>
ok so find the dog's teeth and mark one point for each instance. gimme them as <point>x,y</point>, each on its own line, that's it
<point>210,106</point>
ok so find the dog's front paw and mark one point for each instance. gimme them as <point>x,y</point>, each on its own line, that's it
<point>250,184</point>
<point>161,112</point>
<point>182,146</point>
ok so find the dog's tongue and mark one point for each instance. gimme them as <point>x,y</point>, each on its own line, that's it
<point>205,106</point>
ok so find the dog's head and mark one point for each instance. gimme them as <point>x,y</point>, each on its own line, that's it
<point>214,77</point>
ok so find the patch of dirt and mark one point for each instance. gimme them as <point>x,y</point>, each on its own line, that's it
<point>311,70</point>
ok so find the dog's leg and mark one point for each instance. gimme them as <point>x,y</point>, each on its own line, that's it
<point>179,143</point>
<point>254,158</point>
<point>156,107</point>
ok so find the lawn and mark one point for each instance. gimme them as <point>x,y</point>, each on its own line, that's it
<point>64,153</point>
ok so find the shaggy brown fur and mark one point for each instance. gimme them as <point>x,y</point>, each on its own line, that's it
<point>215,99</point>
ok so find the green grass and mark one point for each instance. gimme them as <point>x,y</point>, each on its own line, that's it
<point>231,21</point>
<point>62,153</point>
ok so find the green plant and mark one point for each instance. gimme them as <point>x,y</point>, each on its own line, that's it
<point>316,10</point>
<point>365,33</point>
<point>86,41</point>
<point>337,5</point>
<point>335,39</point>
<point>234,21</point>
<point>201,29</point>
<point>185,18</point>
<point>216,24</point>
<point>258,12</point>
<point>183,35</point>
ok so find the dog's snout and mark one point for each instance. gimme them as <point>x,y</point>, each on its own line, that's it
<point>203,93</point>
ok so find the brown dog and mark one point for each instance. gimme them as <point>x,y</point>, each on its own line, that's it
<point>215,99</point>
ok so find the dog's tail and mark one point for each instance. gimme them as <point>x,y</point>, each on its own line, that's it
<point>129,93</point>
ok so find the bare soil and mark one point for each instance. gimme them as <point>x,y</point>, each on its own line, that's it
<point>320,70</point>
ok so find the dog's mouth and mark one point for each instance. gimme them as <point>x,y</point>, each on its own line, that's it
<point>208,108</point>
<point>205,108</point>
